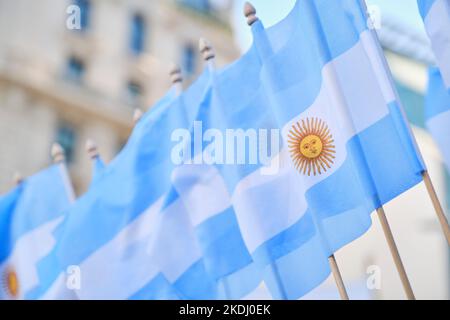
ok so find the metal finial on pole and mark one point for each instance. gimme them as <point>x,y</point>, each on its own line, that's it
<point>176,77</point>
<point>91,148</point>
<point>137,115</point>
<point>208,53</point>
<point>250,13</point>
<point>17,178</point>
<point>59,158</point>
<point>206,49</point>
<point>57,153</point>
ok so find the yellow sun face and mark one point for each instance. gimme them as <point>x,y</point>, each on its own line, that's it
<point>311,146</point>
<point>12,283</point>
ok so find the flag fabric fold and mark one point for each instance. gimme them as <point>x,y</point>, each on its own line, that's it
<point>28,216</point>
<point>437,113</point>
<point>436,16</point>
<point>107,230</point>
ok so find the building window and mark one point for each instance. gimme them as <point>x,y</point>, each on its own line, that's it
<point>134,93</point>
<point>203,6</point>
<point>85,12</point>
<point>137,39</point>
<point>75,70</point>
<point>66,137</point>
<point>189,58</point>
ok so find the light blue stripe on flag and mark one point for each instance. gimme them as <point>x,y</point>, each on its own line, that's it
<point>436,16</point>
<point>437,113</point>
<point>112,222</point>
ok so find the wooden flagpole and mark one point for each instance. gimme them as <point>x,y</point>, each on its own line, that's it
<point>18,178</point>
<point>425,175</point>
<point>137,115</point>
<point>177,81</point>
<point>338,278</point>
<point>250,14</point>
<point>437,205</point>
<point>59,158</point>
<point>395,253</point>
<point>177,78</point>
<point>208,55</point>
<point>91,149</point>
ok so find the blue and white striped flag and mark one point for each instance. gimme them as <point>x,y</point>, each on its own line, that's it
<point>437,113</point>
<point>28,216</point>
<point>436,16</point>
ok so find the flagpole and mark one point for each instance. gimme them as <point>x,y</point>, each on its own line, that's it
<point>380,211</point>
<point>176,78</point>
<point>137,115</point>
<point>59,159</point>
<point>395,253</point>
<point>250,14</point>
<point>338,277</point>
<point>208,55</point>
<point>17,178</point>
<point>91,149</point>
<point>437,205</point>
<point>426,177</point>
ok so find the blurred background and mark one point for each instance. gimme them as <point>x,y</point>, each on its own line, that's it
<point>67,85</point>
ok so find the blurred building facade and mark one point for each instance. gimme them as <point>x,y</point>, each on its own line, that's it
<point>62,83</point>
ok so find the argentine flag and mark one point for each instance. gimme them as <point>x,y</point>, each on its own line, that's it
<point>318,77</point>
<point>436,16</point>
<point>437,113</point>
<point>105,234</point>
<point>28,216</point>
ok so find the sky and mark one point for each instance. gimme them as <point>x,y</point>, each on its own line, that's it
<point>270,12</point>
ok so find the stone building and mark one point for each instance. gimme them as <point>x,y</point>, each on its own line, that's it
<point>76,69</point>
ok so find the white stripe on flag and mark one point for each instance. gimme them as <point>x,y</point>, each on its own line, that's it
<point>437,23</point>
<point>27,252</point>
<point>127,251</point>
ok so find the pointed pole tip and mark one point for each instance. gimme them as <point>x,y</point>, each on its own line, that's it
<point>57,153</point>
<point>91,148</point>
<point>250,13</point>
<point>137,115</point>
<point>203,44</point>
<point>175,73</point>
<point>206,49</point>
<point>17,178</point>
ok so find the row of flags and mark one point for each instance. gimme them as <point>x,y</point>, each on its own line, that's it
<point>150,227</point>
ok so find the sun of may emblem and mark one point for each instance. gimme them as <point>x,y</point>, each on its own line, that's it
<point>311,146</point>
<point>11,283</point>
